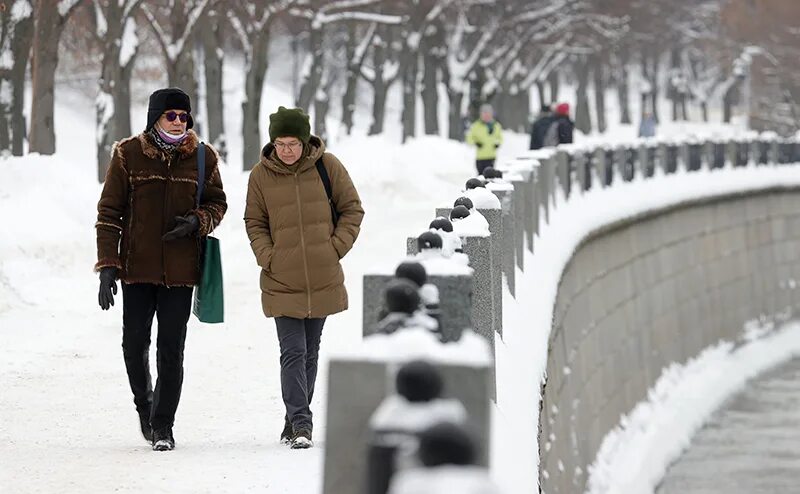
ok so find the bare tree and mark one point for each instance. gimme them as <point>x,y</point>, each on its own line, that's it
<point>321,14</point>
<point>50,17</point>
<point>383,71</point>
<point>16,37</point>
<point>462,59</point>
<point>252,22</point>
<point>174,24</point>
<point>356,53</point>
<point>116,33</point>
<point>212,41</point>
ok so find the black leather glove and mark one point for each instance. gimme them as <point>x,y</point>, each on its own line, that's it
<point>496,145</point>
<point>108,287</point>
<point>184,226</point>
<point>479,144</point>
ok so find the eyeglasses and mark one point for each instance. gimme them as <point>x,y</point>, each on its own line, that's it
<point>283,146</point>
<point>171,116</point>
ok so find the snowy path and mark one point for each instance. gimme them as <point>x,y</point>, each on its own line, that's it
<point>748,446</point>
<point>67,421</point>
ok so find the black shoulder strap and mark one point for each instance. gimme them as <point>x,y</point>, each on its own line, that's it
<point>326,182</point>
<point>201,171</point>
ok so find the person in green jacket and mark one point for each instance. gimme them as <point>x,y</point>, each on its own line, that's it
<point>486,135</point>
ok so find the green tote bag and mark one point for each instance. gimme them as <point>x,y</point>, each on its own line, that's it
<point>209,303</point>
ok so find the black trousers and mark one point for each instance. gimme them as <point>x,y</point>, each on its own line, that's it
<point>483,164</point>
<point>171,306</point>
<point>299,342</point>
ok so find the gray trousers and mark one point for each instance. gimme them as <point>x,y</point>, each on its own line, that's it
<point>299,341</point>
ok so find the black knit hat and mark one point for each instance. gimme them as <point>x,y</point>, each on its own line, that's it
<point>289,122</point>
<point>171,98</point>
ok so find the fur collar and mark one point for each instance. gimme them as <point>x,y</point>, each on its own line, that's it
<point>186,149</point>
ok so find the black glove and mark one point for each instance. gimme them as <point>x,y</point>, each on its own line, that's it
<point>108,287</point>
<point>184,226</point>
<point>496,145</point>
<point>479,144</point>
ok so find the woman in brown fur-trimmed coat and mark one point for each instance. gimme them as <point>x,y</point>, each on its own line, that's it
<point>292,233</point>
<point>148,235</point>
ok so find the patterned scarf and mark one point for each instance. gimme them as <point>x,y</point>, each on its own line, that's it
<point>167,148</point>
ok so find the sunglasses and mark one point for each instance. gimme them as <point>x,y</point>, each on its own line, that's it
<point>171,116</point>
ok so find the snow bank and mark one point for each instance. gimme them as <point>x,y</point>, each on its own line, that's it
<point>419,343</point>
<point>635,456</point>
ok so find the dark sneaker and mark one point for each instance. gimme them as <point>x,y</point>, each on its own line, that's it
<point>302,439</point>
<point>163,440</point>
<point>147,431</point>
<point>287,433</point>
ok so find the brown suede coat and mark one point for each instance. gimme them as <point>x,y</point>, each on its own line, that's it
<point>288,220</point>
<point>143,193</point>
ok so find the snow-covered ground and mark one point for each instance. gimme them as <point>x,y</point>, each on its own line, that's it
<point>67,422</point>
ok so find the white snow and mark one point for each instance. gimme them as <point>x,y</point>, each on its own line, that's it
<point>398,414</point>
<point>474,225</point>
<point>444,480</point>
<point>130,42</point>
<point>64,6</point>
<point>105,108</point>
<point>482,198</point>
<point>20,10</point>
<point>634,456</point>
<point>522,358</point>
<point>419,343</point>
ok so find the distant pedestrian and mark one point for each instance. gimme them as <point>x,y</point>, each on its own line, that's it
<point>486,134</point>
<point>540,126</point>
<point>562,128</point>
<point>647,127</point>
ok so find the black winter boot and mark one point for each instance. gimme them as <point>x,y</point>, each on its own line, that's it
<point>163,440</point>
<point>288,432</point>
<point>144,423</point>
<point>302,439</point>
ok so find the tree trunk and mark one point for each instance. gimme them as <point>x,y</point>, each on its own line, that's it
<point>251,106</point>
<point>321,106</point>
<point>312,78</point>
<point>456,127</point>
<point>583,121</point>
<point>48,26</point>
<point>379,90</point>
<point>542,100</point>
<point>655,84</point>
<point>600,93</point>
<point>211,33</point>
<point>729,99</point>
<point>704,109</point>
<point>430,95</point>
<point>351,83</point>
<point>553,80</point>
<point>380,87</point>
<point>110,74</point>
<point>21,50</point>
<point>409,69</point>
<point>623,87</point>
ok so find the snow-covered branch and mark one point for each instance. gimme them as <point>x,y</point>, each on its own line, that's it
<point>357,16</point>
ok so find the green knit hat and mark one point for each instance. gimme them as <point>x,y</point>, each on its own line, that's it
<point>288,122</point>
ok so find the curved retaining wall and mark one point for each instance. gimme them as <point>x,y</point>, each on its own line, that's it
<point>653,290</point>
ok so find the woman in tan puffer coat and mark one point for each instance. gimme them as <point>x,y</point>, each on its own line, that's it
<point>298,245</point>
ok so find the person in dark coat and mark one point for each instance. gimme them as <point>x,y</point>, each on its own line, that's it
<point>148,236</point>
<point>565,125</point>
<point>540,126</point>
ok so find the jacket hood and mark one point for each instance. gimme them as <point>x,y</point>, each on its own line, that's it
<point>311,153</point>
